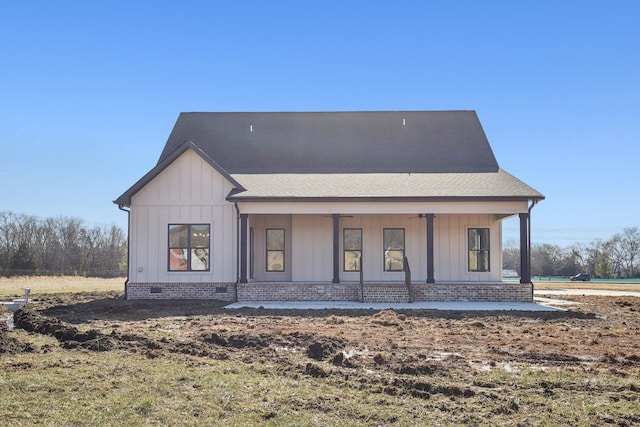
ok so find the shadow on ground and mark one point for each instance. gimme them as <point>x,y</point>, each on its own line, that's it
<point>83,307</point>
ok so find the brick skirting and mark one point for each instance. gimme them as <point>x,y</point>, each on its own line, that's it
<point>298,291</point>
<point>386,292</point>
<point>351,291</point>
<point>218,291</point>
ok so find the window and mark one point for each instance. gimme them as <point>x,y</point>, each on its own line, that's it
<point>275,249</point>
<point>189,247</point>
<point>352,248</point>
<point>478,249</point>
<point>393,245</point>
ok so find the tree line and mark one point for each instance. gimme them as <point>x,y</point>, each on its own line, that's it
<point>614,258</point>
<point>65,246</point>
<point>60,246</point>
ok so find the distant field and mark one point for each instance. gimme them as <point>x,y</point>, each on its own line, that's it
<point>14,286</point>
<point>604,285</point>
<point>567,280</point>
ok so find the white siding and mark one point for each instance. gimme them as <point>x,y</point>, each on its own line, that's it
<point>260,224</point>
<point>312,248</point>
<point>372,245</point>
<point>450,247</point>
<point>189,191</point>
<point>451,252</point>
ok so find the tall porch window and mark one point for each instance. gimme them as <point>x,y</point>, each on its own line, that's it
<point>352,249</point>
<point>478,249</point>
<point>393,246</point>
<point>275,249</point>
<point>189,247</point>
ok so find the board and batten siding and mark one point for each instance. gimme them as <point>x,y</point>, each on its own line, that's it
<point>189,191</point>
<point>451,251</point>
<point>260,224</point>
<point>450,247</point>
<point>312,248</point>
<point>310,243</point>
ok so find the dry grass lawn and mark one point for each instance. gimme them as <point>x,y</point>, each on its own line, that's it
<point>607,286</point>
<point>92,358</point>
<point>13,287</point>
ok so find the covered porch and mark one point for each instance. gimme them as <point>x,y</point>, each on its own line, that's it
<point>449,253</point>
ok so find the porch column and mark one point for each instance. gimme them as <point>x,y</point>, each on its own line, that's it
<point>525,267</point>
<point>243,247</point>
<point>430,275</point>
<point>336,248</point>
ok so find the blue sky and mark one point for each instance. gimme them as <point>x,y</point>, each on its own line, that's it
<point>90,90</point>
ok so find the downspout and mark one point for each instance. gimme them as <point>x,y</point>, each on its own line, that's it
<point>235,297</point>
<point>126,282</point>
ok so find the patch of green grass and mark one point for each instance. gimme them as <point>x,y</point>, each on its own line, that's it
<point>77,388</point>
<point>54,386</point>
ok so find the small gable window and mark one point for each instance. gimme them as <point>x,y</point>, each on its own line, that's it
<point>478,249</point>
<point>189,247</point>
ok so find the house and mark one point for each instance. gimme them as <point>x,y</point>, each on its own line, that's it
<point>362,206</point>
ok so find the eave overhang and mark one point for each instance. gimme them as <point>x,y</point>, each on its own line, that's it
<point>239,198</point>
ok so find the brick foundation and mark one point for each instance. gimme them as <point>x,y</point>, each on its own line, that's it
<point>495,292</point>
<point>351,291</point>
<point>217,291</point>
<point>386,292</point>
<point>298,292</point>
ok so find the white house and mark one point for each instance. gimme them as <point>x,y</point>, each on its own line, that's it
<point>362,206</point>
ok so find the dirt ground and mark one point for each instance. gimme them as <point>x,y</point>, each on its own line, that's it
<point>600,331</point>
<point>391,350</point>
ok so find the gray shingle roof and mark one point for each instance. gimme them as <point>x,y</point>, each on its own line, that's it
<point>338,142</point>
<point>491,185</point>
<point>422,155</point>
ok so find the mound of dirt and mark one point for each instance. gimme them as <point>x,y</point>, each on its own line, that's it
<point>32,321</point>
<point>69,336</point>
<point>8,344</point>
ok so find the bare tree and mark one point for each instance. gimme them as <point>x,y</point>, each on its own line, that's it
<point>29,245</point>
<point>630,247</point>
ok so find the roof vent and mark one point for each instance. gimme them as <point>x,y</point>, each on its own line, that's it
<point>404,122</point>
<point>250,128</point>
